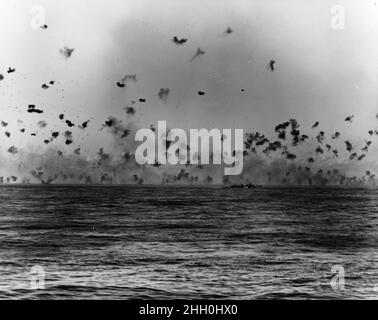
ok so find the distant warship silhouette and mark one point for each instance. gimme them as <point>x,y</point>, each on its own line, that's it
<point>245,186</point>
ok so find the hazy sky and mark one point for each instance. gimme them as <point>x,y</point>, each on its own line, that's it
<point>321,74</point>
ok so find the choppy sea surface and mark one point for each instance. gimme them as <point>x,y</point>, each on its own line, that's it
<point>124,242</point>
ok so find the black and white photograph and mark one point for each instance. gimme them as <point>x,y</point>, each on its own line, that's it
<point>188,150</point>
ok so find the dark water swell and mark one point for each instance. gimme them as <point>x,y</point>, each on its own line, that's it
<point>188,242</point>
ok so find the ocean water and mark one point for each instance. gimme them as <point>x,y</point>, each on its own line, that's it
<point>123,242</point>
